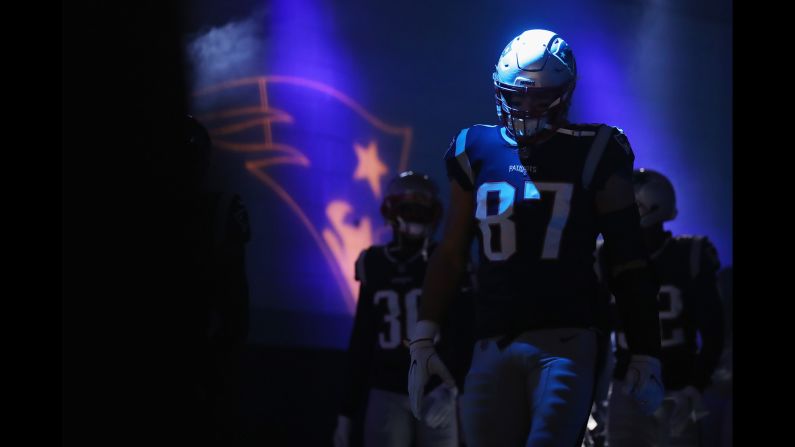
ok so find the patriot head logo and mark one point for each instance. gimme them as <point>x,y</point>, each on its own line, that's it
<point>320,162</point>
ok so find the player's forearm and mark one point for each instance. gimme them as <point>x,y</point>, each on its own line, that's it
<point>710,327</point>
<point>632,280</point>
<point>443,275</point>
<point>354,389</point>
<point>354,385</point>
<point>707,361</point>
<point>635,294</point>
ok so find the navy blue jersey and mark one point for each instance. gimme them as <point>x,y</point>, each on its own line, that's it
<point>386,312</point>
<point>536,222</point>
<point>690,308</point>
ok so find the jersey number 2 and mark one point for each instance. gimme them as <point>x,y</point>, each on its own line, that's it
<point>673,297</point>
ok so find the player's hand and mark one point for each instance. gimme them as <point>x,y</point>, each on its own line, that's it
<point>440,406</point>
<point>425,362</point>
<point>644,382</point>
<point>687,408</point>
<point>342,434</point>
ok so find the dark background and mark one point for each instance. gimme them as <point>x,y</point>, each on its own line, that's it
<point>659,70</point>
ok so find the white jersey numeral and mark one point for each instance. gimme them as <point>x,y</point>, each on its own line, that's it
<point>499,219</point>
<point>393,334</point>
<point>674,297</point>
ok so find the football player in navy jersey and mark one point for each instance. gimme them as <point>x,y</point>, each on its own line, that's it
<point>537,191</point>
<point>391,279</point>
<point>691,323</point>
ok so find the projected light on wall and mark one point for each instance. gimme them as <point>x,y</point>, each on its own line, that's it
<point>324,157</point>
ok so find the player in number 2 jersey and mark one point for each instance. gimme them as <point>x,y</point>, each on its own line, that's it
<point>691,325</point>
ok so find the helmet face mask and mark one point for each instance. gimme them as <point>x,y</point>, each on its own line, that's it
<point>525,105</point>
<point>411,205</point>
<point>655,197</point>
<point>534,80</point>
<point>413,210</point>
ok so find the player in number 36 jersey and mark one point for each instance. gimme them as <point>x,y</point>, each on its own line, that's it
<point>391,279</point>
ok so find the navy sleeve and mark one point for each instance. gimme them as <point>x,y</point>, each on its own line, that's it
<point>617,159</point>
<point>605,311</point>
<point>457,162</point>
<point>458,330</point>
<point>360,348</point>
<point>707,310</point>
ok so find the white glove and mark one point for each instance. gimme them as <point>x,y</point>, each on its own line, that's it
<point>687,407</point>
<point>440,404</point>
<point>644,382</point>
<point>424,363</point>
<point>342,434</point>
